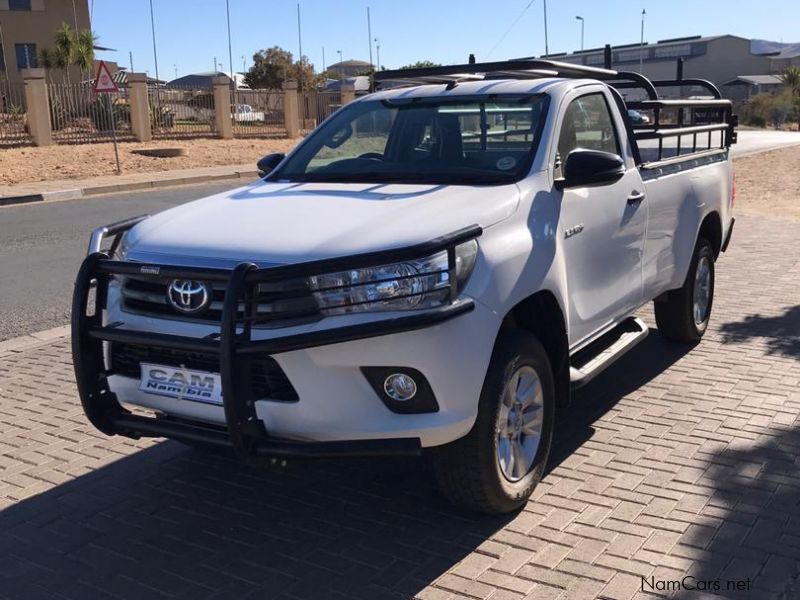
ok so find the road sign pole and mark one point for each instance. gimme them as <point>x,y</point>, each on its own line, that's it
<point>114,133</point>
<point>104,84</point>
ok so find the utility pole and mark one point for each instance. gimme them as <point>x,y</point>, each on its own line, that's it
<point>130,56</point>
<point>230,52</point>
<point>323,59</point>
<point>546,47</point>
<point>369,33</point>
<point>581,20</point>
<point>641,45</point>
<point>300,44</point>
<point>378,50</point>
<point>153,29</point>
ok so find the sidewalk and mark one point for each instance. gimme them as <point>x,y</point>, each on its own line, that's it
<point>68,189</point>
<point>673,475</point>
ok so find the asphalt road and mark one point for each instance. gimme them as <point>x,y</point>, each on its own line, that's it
<point>41,246</point>
<point>751,141</point>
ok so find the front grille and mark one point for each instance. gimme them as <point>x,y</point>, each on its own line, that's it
<point>267,379</point>
<point>279,304</point>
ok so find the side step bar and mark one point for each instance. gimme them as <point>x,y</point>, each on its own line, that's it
<point>592,360</point>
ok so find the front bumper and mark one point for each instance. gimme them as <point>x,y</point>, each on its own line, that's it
<point>246,420</point>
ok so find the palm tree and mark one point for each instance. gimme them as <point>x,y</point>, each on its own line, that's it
<point>84,50</point>
<point>65,46</point>
<point>791,79</point>
<point>47,61</point>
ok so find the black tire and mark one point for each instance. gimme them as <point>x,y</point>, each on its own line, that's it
<point>675,313</point>
<point>468,470</point>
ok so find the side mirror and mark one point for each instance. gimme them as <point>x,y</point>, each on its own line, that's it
<point>590,167</point>
<point>268,163</point>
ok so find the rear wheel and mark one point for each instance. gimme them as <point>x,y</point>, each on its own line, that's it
<point>684,314</point>
<point>497,465</point>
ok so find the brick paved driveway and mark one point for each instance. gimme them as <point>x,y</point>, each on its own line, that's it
<point>674,462</point>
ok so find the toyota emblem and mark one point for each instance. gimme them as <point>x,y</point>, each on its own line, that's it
<point>188,296</point>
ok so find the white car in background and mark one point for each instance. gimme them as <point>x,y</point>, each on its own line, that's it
<point>432,270</point>
<point>245,112</point>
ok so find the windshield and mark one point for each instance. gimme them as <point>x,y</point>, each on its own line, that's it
<point>482,140</point>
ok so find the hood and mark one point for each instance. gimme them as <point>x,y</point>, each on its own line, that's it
<point>280,223</point>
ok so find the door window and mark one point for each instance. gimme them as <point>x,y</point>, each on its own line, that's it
<point>587,124</point>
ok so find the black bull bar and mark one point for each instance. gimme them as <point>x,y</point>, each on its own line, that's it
<point>244,431</point>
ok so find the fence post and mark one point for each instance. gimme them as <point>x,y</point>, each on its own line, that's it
<point>348,91</point>
<point>140,107</point>
<point>37,106</point>
<point>222,107</point>
<point>291,109</point>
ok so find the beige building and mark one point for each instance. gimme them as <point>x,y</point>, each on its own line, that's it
<point>719,58</point>
<point>29,25</point>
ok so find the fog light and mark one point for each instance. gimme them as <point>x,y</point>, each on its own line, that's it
<point>400,387</point>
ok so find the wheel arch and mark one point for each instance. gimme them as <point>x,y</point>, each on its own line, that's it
<point>541,315</point>
<point>711,229</point>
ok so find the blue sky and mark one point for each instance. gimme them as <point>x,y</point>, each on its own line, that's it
<point>190,33</point>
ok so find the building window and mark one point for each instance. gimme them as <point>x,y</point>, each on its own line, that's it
<point>19,4</point>
<point>26,56</point>
<point>678,51</point>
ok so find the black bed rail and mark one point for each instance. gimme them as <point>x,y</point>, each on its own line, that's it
<point>233,344</point>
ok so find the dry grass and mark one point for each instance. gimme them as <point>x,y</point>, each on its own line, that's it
<point>28,165</point>
<point>769,182</point>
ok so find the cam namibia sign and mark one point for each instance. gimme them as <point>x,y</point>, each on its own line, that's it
<point>103,82</point>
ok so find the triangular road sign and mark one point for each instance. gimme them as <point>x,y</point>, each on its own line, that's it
<point>103,82</point>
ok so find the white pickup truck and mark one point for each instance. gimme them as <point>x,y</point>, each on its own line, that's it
<point>430,271</point>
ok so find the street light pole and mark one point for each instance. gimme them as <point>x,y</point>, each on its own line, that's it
<point>641,45</point>
<point>546,47</point>
<point>378,50</point>
<point>582,23</point>
<point>369,33</point>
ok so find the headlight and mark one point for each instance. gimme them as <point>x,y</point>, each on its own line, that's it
<point>409,285</point>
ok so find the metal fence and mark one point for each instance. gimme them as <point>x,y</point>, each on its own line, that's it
<point>315,107</point>
<point>181,112</point>
<point>13,124</point>
<point>79,116</point>
<point>257,113</point>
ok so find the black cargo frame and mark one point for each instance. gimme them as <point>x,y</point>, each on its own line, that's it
<point>451,75</point>
<point>233,344</point>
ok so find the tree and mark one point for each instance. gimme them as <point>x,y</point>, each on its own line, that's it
<point>273,66</point>
<point>46,60</point>
<point>84,50</point>
<point>65,44</point>
<point>421,64</point>
<point>791,79</point>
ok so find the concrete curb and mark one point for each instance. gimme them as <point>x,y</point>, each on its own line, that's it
<point>32,340</point>
<point>73,194</point>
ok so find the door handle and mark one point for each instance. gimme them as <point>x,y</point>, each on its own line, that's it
<point>635,197</point>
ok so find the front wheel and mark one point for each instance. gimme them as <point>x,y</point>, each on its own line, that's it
<point>684,314</point>
<point>497,465</point>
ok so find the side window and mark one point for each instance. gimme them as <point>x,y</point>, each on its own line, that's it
<point>587,124</point>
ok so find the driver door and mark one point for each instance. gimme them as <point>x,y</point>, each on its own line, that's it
<point>603,226</point>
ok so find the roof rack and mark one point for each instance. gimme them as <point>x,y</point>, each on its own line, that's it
<point>690,123</point>
<point>511,69</point>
